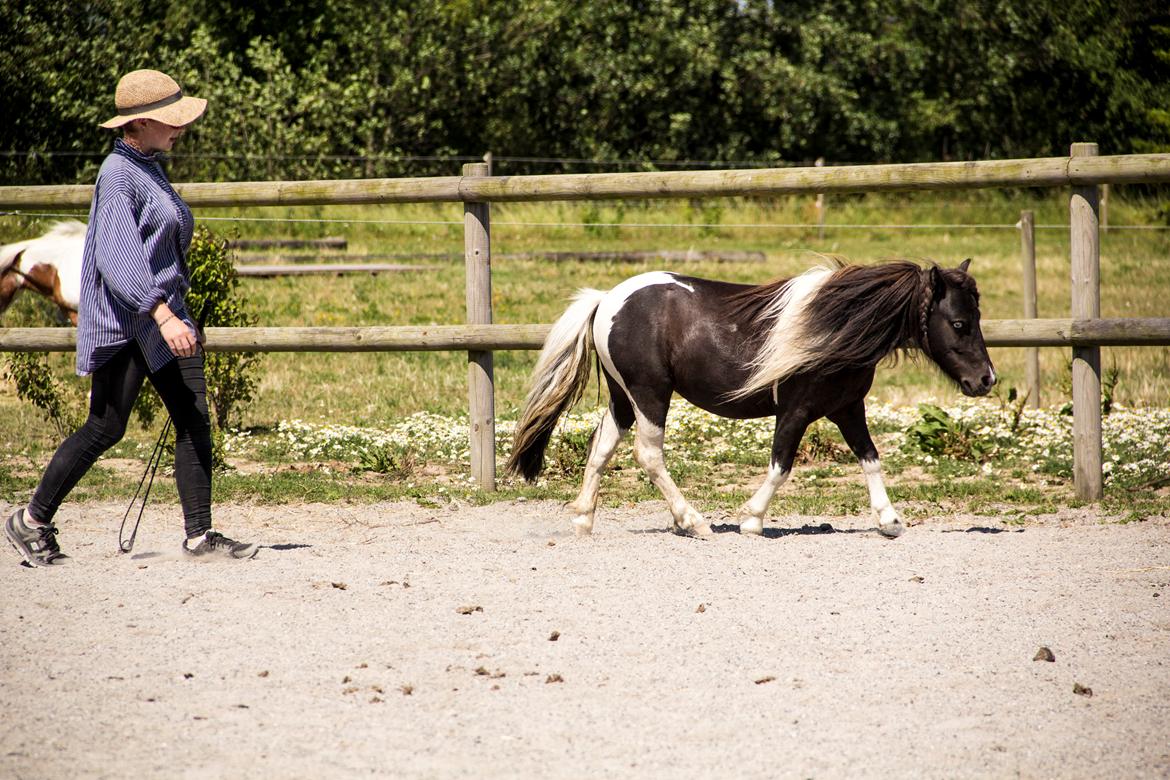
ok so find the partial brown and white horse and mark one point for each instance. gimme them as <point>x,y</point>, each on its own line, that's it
<point>49,265</point>
<point>797,349</point>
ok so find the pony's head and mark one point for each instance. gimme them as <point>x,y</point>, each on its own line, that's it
<point>951,335</point>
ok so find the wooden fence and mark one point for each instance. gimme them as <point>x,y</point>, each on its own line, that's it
<point>1084,331</point>
<point>1065,332</point>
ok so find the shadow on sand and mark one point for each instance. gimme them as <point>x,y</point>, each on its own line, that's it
<point>804,530</point>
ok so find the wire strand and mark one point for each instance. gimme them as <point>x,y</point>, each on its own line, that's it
<point>615,225</point>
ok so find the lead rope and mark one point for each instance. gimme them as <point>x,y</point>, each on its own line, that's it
<point>127,544</point>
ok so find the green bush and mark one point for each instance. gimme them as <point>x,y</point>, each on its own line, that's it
<point>36,383</point>
<point>939,434</point>
<point>37,378</point>
<point>215,301</point>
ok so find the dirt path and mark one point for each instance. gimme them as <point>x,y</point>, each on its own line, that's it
<point>342,650</point>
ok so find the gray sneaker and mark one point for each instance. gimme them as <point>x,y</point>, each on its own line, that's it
<point>37,544</point>
<point>215,543</point>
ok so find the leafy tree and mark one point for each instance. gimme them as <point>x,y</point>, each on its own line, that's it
<point>331,88</point>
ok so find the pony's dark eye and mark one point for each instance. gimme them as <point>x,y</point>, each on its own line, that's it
<point>959,325</point>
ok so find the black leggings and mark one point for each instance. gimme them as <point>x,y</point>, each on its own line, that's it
<point>183,389</point>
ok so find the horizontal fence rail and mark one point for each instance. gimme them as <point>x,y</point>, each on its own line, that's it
<point>1040,172</point>
<point>390,338</point>
<point>437,338</point>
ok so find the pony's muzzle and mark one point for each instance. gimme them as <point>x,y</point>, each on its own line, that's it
<point>980,386</point>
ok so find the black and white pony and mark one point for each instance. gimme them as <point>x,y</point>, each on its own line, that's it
<point>798,349</point>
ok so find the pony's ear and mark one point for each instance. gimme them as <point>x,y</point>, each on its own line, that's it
<point>938,286</point>
<point>963,266</point>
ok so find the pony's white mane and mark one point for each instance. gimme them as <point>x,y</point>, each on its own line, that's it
<point>787,348</point>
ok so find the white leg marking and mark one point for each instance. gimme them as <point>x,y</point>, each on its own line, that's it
<point>753,510</point>
<point>604,444</point>
<point>889,521</point>
<point>648,453</point>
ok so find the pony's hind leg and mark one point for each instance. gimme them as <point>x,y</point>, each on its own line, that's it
<point>785,440</point>
<point>648,442</point>
<point>854,429</point>
<point>614,426</point>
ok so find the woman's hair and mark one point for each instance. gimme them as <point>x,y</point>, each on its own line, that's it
<point>132,127</point>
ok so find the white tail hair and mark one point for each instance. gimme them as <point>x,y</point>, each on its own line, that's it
<point>558,380</point>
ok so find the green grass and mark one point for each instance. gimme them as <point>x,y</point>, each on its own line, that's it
<point>374,390</point>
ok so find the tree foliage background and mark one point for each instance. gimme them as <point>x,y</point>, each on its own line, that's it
<point>324,88</point>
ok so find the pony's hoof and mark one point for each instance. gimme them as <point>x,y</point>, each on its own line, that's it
<point>693,524</point>
<point>752,526</point>
<point>891,530</point>
<point>583,525</point>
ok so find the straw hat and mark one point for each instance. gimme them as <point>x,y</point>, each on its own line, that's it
<point>149,94</point>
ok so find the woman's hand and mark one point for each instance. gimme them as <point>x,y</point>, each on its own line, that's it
<point>179,337</point>
<point>177,334</point>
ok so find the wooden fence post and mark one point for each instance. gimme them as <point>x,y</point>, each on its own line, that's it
<point>481,411</point>
<point>1086,360</point>
<point>1027,225</point>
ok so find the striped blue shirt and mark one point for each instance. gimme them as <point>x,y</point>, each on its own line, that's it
<point>135,249</point>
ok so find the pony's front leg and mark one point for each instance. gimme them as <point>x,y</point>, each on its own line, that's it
<point>785,440</point>
<point>854,429</point>
<point>605,441</point>
<point>648,453</point>
<point>888,518</point>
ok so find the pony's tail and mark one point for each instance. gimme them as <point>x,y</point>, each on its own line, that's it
<point>559,379</point>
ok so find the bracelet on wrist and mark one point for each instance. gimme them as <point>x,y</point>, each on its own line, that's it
<point>167,319</point>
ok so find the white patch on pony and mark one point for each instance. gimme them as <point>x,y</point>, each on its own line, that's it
<point>61,247</point>
<point>612,304</point>
<point>787,347</point>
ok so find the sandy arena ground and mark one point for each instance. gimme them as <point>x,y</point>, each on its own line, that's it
<point>399,641</point>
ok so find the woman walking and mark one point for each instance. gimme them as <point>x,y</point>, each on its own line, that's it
<point>133,322</point>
